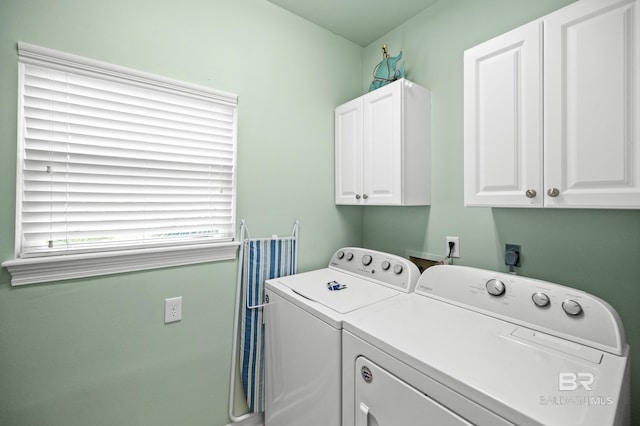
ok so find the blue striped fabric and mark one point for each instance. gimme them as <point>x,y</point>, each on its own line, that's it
<point>263,259</point>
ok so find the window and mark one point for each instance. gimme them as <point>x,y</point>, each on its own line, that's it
<point>118,165</point>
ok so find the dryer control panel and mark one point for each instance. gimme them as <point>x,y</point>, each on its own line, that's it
<point>384,268</point>
<point>542,306</point>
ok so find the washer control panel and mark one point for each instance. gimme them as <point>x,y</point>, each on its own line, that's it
<point>538,305</point>
<point>384,268</point>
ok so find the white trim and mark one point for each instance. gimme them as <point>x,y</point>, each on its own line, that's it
<point>57,268</point>
<point>19,163</point>
<point>37,55</point>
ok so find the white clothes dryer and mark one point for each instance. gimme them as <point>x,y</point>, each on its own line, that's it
<point>472,346</point>
<point>303,316</point>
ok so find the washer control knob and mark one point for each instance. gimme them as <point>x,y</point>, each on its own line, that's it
<point>340,254</point>
<point>540,299</point>
<point>571,307</point>
<point>397,269</point>
<point>386,265</point>
<point>366,260</point>
<point>349,256</point>
<point>495,287</point>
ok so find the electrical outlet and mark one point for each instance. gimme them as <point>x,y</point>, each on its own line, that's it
<point>512,254</point>
<point>172,309</point>
<point>456,247</point>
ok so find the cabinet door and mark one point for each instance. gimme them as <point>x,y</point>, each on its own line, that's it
<point>503,120</point>
<point>383,145</point>
<point>348,140</point>
<point>592,155</point>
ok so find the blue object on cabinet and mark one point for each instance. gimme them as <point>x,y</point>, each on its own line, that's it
<point>385,72</point>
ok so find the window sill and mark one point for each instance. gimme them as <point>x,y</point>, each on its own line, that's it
<point>57,268</point>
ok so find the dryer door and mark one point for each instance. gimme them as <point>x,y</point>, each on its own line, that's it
<point>384,400</point>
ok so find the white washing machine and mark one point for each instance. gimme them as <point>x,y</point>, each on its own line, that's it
<point>471,346</point>
<point>303,318</point>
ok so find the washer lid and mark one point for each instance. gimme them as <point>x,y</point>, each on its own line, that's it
<point>357,293</point>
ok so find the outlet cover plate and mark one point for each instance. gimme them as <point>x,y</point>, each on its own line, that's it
<point>172,309</point>
<point>456,247</point>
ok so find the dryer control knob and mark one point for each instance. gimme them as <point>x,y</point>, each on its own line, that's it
<point>540,299</point>
<point>386,265</point>
<point>495,287</point>
<point>571,307</point>
<point>367,375</point>
<point>340,254</point>
<point>349,256</point>
<point>366,260</point>
<point>398,269</point>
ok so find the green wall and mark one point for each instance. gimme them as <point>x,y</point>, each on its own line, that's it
<point>594,250</point>
<point>96,351</point>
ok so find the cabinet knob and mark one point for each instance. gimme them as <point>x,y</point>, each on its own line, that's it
<point>531,193</point>
<point>553,192</point>
<point>357,196</point>
<point>365,196</point>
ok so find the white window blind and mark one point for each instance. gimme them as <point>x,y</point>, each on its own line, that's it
<point>111,159</point>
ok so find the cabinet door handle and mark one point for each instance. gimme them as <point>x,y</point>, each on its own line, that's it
<point>357,196</point>
<point>531,193</point>
<point>553,192</point>
<point>365,196</point>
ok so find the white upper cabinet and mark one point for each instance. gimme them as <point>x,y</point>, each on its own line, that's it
<point>591,106</point>
<point>552,110</point>
<point>383,147</point>
<point>348,141</point>
<point>503,120</point>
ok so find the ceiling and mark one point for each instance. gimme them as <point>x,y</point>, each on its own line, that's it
<point>361,21</point>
